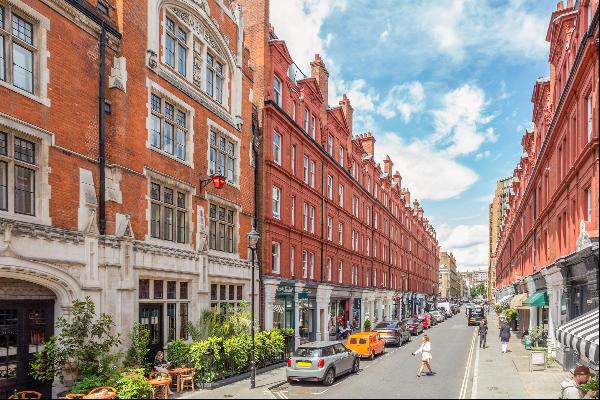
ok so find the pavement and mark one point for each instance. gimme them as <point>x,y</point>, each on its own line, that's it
<point>463,370</point>
<point>505,376</point>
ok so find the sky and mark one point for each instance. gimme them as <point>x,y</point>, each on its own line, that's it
<point>444,86</point>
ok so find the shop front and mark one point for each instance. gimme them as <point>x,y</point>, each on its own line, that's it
<point>283,307</point>
<point>356,315</point>
<point>307,316</point>
<point>339,313</point>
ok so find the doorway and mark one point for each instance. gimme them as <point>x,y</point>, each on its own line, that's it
<point>151,316</point>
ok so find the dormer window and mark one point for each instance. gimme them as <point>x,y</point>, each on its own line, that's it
<point>277,94</point>
<point>214,78</point>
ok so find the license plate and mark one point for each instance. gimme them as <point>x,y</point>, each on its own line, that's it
<point>303,364</point>
<point>383,334</point>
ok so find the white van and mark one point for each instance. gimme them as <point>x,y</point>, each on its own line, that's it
<point>446,305</point>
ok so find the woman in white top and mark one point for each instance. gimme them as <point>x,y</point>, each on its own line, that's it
<point>425,351</point>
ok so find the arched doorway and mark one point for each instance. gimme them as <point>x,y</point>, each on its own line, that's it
<point>26,321</point>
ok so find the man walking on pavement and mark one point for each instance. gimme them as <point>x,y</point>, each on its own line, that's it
<point>483,329</point>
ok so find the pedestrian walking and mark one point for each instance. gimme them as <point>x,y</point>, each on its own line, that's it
<point>504,335</point>
<point>483,329</point>
<point>425,351</point>
<point>569,389</point>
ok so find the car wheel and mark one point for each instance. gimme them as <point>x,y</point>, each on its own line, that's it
<point>329,377</point>
<point>355,366</point>
<point>290,381</point>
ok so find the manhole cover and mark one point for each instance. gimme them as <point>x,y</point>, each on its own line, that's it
<point>492,388</point>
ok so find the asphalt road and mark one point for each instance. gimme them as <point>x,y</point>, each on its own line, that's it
<point>394,374</point>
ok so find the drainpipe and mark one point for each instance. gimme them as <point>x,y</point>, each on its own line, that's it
<point>255,219</point>
<point>323,216</point>
<point>101,133</point>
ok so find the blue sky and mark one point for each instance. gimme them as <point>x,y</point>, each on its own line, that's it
<point>445,87</point>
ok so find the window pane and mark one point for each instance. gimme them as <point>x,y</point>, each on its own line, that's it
<point>180,200</point>
<point>239,292</point>
<point>168,143</point>
<point>154,131</point>
<point>144,289</point>
<point>183,290</point>
<point>171,290</point>
<point>170,25</point>
<point>213,235</point>
<point>158,289</point>
<point>24,190</point>
<point>213,161</point>
<point>230,169</point>
<point>171,310</point>
<point>230,217</point>
<point>22,29</point>
<point>219,89</point>
<point>168,233</point>
<point>230,239</point>
<point>183,318</point>
<point>180,144</point>
<point>2,68</point>
<point>223,292</point>
<point>3,186</point>
<point>168,196</point>
<point>3,143</point>
<point>155,221</point>
<point>24,150</point>
<point>170,51</point>
<point>22,68</point>
<point>181,53</point>
<point>180,227</point>
<point>221,237</point>
<point>209,81</point>
<point>231,292</point>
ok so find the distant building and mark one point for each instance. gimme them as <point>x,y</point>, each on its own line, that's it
<point>450,279</point>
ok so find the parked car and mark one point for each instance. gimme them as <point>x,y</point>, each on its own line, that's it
<point>438,316</point>
<point>455,309</point>
<point>393,332</point>
<point>424,319</point>
<point>321,362</point>
<point>366,344</point>
<point>414,325</point>
<point>432,319</point>
<point>445,310</point>
<point>474,315</point>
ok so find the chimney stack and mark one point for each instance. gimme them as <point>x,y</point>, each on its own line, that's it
<point>347,110</point>
<point>321,75</point>
<point>388,165</point>
<point>398,179</point>
<point>367,142</point>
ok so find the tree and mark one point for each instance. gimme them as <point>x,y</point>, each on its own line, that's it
<point>478,290</point>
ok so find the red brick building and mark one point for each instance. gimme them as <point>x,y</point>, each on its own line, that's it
<point>549,237</point>
<point>147,243</point>
<point>340,237</point>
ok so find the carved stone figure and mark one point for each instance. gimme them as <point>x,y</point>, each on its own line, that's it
<point>583,240</point>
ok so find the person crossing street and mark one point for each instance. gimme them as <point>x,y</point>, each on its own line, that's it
<point>425,351</point>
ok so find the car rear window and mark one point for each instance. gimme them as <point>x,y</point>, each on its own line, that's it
<point>362,341</point>
<point>385,325</point>
<point>353,340</point>
<point>308,352</point>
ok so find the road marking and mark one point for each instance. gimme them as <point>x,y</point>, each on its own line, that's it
<point>475,375</point>
<point>321,392</point>
<point>463,388</point>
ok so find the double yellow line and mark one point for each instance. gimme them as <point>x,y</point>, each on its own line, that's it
<point>463,388</point>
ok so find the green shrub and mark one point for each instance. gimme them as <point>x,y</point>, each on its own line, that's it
<point>367,325</point>
<point>178,353</point>
<point>87,383</point>
<point>139,338</point>
<point>510,314</point>
<point>132,384</point>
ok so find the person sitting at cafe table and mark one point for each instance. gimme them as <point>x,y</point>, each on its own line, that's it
<point>161,365</point>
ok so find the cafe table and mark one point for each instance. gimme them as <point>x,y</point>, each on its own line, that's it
<point>161,384</point>
<point>176,373</point>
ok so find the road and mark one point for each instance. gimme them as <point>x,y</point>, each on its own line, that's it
<point>394,374</point>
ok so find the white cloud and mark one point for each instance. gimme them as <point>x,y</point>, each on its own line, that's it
<point>362,96</point>
<point>458,26</point>
<point>406,99</point>
<point>484,154</point>
<point>468,243</point>
<point>457,122</point>
<point>299,23</point>
<point>383,36</point>
<point>428,172</point>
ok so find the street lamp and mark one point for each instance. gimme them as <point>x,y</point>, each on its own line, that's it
<point>217,180</point>
<point>403,294</point>
<point>253,237</point>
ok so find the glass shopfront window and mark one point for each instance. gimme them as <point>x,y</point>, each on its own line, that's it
<point>307,317</point>
<point>283,312</point>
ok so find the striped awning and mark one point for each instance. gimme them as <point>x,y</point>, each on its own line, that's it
<point>517,301</point>
<point>505,299</point>
<point>581,334</point>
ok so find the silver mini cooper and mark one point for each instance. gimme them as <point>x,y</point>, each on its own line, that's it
<point>321,362</point>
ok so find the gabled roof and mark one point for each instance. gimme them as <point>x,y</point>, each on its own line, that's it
<point>311,83</point>
<point>282,47</point>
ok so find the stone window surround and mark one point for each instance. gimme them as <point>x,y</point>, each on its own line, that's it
<point>213,199</point>
<point>189,190</point>
<point>41,73</point>
<point>214,126</point>
<point>155,88</point>
<point>43,140</point>
<point>156,42</point>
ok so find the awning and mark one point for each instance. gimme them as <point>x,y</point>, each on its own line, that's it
<point>505,299</point>
<point>581,334</point>
<point>517,301</point>
<point>538,299</point>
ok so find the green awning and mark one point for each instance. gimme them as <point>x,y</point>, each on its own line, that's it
<point>538,299</point>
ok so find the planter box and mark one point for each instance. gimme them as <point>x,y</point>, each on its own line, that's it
<point>241,377</point>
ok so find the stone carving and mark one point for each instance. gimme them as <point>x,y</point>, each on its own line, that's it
<point>203,4</point>
<point>118,74</point>
<point>124,228</point>
<point>92,227</point>
<point>152,59</point>
<point>198,27</point>
<point>197,72</point>
<point>583,240</point>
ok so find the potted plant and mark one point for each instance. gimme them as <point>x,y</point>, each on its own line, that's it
<point>367,325</point>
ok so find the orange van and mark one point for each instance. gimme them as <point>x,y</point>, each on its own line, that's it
<point>366,344</point>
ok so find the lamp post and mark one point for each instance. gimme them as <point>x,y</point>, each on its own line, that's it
<point>253,237</point>
<point>403,294</point>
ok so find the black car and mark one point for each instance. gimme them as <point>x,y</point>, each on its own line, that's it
<point>393,332</point>
<point>474,315</point>
<point>414,326</point>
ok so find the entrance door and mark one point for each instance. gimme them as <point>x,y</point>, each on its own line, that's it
<point>151,316</point>
<point>24,326</point>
